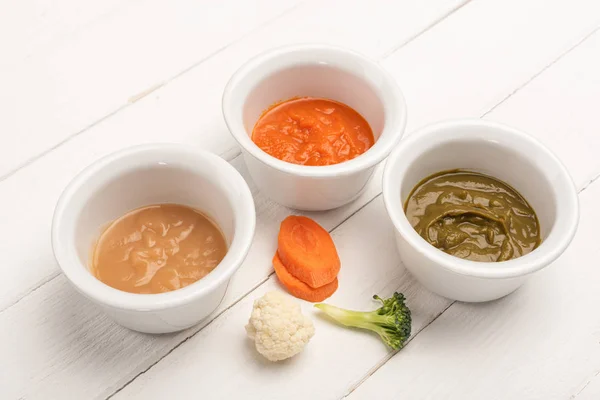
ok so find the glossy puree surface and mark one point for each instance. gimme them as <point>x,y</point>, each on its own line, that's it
<point>313,131</point>
<point>157,249</point>
<point>473,216</point>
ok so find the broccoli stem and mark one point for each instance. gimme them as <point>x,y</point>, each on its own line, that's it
<point>356,319</point>
<point>391,321</point>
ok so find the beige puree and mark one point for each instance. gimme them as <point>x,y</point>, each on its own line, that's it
<point>157,249</point>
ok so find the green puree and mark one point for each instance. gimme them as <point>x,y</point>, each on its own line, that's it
<point>473,216</point>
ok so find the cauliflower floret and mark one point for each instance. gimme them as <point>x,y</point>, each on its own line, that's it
<point>278,328</point>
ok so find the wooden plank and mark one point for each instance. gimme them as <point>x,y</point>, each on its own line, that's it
<point>188,111</point>
<point>54,316</point>
<point>31,27</point>
<point>570,90</point>
<point>488,50</point>
<point>549,328</point>
<point>49,372</point>
<point>75,83</point>
<point>172,114</point>
<point>537,343</point>
<point>95,365</point>
<point>352,354</point>
<point>187,360</point>
<point>65,76</point>
<point>373,267</point>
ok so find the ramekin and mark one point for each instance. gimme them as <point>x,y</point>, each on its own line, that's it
<point>145,175</point>
<point>499,151</point>
<point>316,71</point>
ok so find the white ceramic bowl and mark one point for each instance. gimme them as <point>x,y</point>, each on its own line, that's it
<point>317,71</point>
<point>145,175</point>
<point>501,152</point>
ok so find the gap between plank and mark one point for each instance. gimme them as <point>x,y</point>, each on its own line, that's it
<point>540,72</point>
<point>589,183</point>
<point>391,354</point>
<point>584,386</point>
<point>189,337</point>
<point>49,279</point>
<point>428,27</point>
<point>133,99</point>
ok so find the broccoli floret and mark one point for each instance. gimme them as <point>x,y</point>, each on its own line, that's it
<point>392,321</point>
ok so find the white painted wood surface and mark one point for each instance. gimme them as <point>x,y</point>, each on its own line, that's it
<point>82,79</point>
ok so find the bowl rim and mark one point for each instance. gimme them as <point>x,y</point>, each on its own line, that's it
<point>87,284</point>
<point>564,190</point>
<point>261,66</point>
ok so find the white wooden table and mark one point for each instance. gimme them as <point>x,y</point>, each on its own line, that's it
<point>80,79</point>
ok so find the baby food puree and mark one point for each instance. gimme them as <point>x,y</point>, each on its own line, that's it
<point>157,249</point>
<point>313,131</point>
<point>473,216</point>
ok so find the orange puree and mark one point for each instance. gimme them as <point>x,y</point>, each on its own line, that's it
<point>312,131</point>
<point>157,249</point>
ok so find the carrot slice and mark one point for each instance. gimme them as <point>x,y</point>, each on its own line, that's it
<point>300,289</point>
<point>307,251</point>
